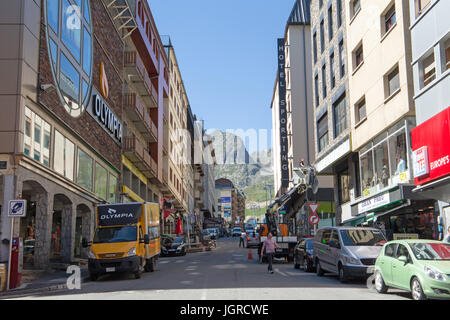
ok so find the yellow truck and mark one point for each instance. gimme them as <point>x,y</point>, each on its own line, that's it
<point>126,239</point>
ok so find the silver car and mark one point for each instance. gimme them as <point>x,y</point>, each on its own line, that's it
<point>252,239</point>
<point>349,252</point>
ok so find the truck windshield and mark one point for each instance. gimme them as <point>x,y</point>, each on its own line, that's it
<point>116,234</point>
<point>361,237</point>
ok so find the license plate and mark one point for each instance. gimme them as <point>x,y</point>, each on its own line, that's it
<point>171,249</point>
<point>110,269</point>
<point>279,250</point>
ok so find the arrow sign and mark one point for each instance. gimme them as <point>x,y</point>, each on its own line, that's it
<point>314,219</point>
<point>313,207</point>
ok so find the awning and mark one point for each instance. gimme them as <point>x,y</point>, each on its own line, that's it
<point>355,221</point>
<point>438,190</point>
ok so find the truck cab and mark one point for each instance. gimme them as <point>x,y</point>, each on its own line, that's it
<point>126,239</point>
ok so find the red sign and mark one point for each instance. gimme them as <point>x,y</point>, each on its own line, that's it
<point>432,136</point>
<point>314,219</point>
<point>313,207</point>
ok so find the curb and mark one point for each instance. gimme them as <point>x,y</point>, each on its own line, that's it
<point>20,292</point>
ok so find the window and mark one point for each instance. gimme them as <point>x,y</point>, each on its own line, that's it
<point>398,150</point>
<point>358,57</point>
<point>322,36</point>
<point>421,6</point>
<point>320,3</point>
<point>37,138</point>
<point>402,251</point>
<point>447,55</point>
<point>382,170</point>
<point>355,6</point>
<point>63,160</point>
<point>339,12</point>
<point>324,81</point>
<point>428,70</point>
<point>332,73</point>
<point>326,236</point>
<point>315,47</point>
<point>367,176</point>
<point>84,170</point>
<point>112,189</point>
<point>330,23</point>
<point>360,111</point>
<point>389,250</point>
<point>101,181</point>
<point>70,41</point>
<point>344,186</point>
<point>340,116</point>
<point>341,58</point>
<point>390,19</point>
<point>322,132</point>
<point>392,82</point>
<point>316,89</point>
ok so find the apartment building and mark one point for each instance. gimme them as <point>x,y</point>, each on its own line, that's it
<point>231,202</point>
<point>332,129</point>
<point>176,141</point>
<point>430,38</point>
<point>382,117</point>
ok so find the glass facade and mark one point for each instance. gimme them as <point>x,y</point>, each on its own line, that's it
<point>37,137</point>
<point>84,170</point>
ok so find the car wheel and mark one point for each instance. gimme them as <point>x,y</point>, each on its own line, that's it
<point>296,265</point>
<point>342,276</point>
<point>319,270</point>
<point>416,290</point>
<point>380,286</point>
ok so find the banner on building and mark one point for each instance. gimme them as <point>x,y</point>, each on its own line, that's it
<point>283,114</point>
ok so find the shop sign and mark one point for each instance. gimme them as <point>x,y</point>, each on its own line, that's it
<point>283,113</point>
<point>431,148</point>
<point>374,203</point>
<point>406,236</point>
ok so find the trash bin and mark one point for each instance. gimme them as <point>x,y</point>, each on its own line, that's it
<point>3,276</point>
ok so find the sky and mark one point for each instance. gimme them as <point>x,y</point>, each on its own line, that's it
<point>227,55</point>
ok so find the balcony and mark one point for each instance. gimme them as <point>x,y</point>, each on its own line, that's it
<point>134,150</point>
<point>138,75</point>
<point>136,111</point>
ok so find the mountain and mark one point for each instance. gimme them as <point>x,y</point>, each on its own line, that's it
<point>249,172</point>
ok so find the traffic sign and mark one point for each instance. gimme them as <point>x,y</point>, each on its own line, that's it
<point>313,207</point>
<point>17,208</point>
<point>314,219</point>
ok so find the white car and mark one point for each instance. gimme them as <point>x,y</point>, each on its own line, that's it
<point>236,232</point>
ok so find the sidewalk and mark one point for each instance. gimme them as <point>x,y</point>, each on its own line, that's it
<point>56,280</point>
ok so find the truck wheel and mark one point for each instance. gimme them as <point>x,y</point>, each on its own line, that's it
<point>150,266</point>
<point>137,275</point>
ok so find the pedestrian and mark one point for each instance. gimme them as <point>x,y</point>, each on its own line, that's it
<point>241,239</point>
<point>269,245</point>
<point>447,237</point>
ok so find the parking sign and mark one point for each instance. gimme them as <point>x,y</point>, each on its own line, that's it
<point>17,208</point>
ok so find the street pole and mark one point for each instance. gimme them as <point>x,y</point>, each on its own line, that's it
<point>10,254</point>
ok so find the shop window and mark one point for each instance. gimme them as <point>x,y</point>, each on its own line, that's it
<point>367,174</point>
<point>63,160</point>
<point>112,189</point>
<point>37,137</point>
<point>382,170</point>
<point>398,150</point>
<point>84,170</point>
<point>101,180</point>
<point>389,20</point>
<point>421,6</point>
<point>340,116</point>
<point>428,70</point>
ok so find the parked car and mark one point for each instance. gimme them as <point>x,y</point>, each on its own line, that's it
<point>349,252</point>
<point>303,254</point>
<point>252,240</point>
<point>213,233</point>
<point>173,246</point>
<point>236,232</point>
<point>421,267</point>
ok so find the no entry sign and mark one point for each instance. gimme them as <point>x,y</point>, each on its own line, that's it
<point>314,219</point>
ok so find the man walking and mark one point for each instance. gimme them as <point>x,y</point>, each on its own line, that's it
<point>447,237</point>
<point>241,239</point>
<point>269,245</point>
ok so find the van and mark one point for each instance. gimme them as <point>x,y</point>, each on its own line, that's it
<point>349,252</point>
<point>126,239</point>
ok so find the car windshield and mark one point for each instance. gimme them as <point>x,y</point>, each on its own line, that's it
<point>115,234</point>
<point>309,244</point>
<point>362,237</point>
<point>430,251</point>
<point>178,240</point>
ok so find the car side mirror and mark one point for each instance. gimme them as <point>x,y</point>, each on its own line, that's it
<point>146,239</point>
<point>85,243</point>
<point>403,259</point>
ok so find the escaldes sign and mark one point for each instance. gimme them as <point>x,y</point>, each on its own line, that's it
<point>119,214</point>
<point>283,114</point>
<point>431,148</point>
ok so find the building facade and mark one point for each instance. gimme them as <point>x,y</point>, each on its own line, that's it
<point>231,202</point>
<point>332,130</point>
<point>431,64</point>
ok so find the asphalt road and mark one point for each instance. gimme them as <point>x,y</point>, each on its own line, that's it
<point>225,273</point>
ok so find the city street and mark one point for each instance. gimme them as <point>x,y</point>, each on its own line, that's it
<point>225,273</point>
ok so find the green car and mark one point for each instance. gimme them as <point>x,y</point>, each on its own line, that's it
<point>421,267</point>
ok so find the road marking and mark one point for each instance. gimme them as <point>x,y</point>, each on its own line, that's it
<point>179,261</point>
<point>163,262</point>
